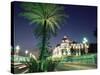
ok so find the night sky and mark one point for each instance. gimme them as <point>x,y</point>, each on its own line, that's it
<point>81,23</point>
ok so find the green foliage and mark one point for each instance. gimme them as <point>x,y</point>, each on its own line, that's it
<point>37,13</point>
<point>34,65</point>
<point>51,65</point>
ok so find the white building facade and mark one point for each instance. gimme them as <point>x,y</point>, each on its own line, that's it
<point>69,47</point>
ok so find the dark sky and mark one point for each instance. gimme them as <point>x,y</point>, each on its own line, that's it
<point>81,23</point>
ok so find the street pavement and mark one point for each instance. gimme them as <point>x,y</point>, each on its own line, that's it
<point>74,66</point>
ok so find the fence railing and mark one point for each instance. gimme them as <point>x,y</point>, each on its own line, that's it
<point>16,58</point>
<point>88,59</point>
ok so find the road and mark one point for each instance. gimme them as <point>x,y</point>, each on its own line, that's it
<point>65,66</point>
<point>74,66</point>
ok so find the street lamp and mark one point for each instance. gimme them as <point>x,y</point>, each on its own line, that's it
<point>26,52</point>
<point>17,51</point>
<point>86,48</point>
<point>85,42</point>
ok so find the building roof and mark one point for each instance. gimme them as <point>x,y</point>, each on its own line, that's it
<point>57,45</point>
<point>67,38</point>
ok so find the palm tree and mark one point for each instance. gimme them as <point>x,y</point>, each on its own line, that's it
<point>46,18</point>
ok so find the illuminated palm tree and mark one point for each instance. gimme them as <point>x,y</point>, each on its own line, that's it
<point>46,18</point>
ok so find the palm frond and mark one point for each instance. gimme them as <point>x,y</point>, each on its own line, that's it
<point>39,12</point>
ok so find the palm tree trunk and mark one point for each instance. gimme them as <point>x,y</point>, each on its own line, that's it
<point>43,42</point>
<point>43,49</point>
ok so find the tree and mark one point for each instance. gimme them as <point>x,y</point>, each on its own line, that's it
<point>46,18</point>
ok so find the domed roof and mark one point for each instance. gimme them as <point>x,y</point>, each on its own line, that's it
<point>66,38</point>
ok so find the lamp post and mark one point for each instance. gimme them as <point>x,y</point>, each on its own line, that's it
<point>86,48</point>
<point>26,52</point>
<point>17,51</point>
<point>85,42</point>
